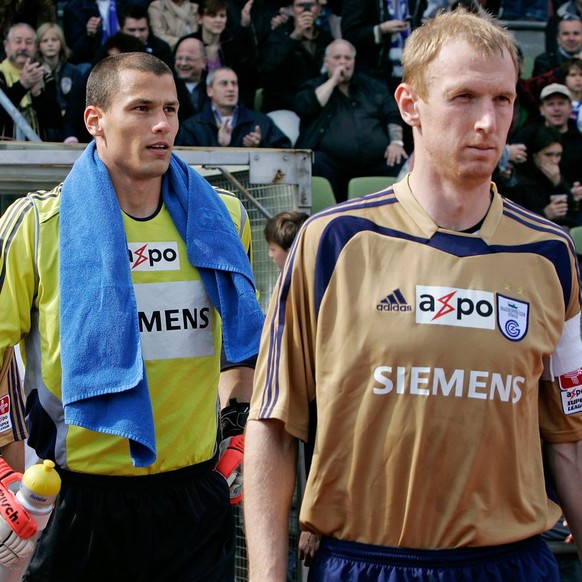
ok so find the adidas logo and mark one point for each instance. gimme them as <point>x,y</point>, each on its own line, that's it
<point>394,301</point>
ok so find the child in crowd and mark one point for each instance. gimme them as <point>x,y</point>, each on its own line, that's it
<point>280,232</point>
<point>572,71</point>
<point>52,52</point>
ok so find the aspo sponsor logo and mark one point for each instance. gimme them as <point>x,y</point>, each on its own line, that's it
<point>572,400</point>
<point>456,307</point>
<point>154,256</point>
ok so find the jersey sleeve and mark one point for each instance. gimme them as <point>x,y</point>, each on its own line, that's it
<point>560,399</point>
<point>285,374</point>
<point>18,277</point>
<point>12,425</point>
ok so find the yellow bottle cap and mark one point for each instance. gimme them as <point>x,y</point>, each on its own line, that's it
<point>42,479</point>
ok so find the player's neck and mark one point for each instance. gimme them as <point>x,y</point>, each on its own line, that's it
<point>452,206</point>
<point>138,199</point>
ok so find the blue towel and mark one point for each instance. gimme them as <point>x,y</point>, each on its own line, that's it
<point>104,384</point>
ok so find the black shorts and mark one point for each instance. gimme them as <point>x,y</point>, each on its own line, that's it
<point>176,526</point>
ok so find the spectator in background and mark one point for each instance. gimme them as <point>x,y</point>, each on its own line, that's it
<point>527,104</point>
<point>571,7</point>
<point>225,122</point>
<point>52,52</point>
<point>173,19</point>
<point>135,21</point>
<point>572,72</point>
<point>230,45</point>
<point>350,121</point>
<point>87,25</point>
<point>569,39</point>
<point>556,110</point>
<point>539,184</point>
<point>190,75</point>
<point>266,16</point>
<point>292,55</point>
<point>30,88</point>
<point>280,232</point>
<point>378,31</point>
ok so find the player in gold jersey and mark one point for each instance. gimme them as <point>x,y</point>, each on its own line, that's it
<point>423,338</point>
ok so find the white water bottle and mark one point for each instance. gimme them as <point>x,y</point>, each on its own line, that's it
<point>38,490</point>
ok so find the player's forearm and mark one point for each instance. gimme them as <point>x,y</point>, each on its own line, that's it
<point>269,469</point>
<point>566,464</point>
<point>236,383</point>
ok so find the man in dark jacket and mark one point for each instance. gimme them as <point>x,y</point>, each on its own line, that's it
<point>86,28</point>
<point>293,54</point>
<point>569,40</point>
<point>134,20</point>
<point>378,30</point>
<point>190,64</point>
<point>31,91</point>
<point>226,122</point>
<point>350,121</point>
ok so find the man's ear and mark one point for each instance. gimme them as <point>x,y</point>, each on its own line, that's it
<point>407,99</point>
<point>92,117</point>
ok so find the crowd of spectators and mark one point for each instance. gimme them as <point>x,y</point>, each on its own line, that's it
<point>278,55</point>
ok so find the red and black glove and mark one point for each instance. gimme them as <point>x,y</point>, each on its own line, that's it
<point>17,527</point>
<point>233,419</point>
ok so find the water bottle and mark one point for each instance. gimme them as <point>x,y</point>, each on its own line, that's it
<point>38,491</point>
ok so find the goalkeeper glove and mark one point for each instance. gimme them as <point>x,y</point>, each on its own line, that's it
<point>230,466</point>
<point>17,527</point>
<point>233,419</point>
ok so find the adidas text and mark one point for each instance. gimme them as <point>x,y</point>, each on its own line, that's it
<point>389,307</point>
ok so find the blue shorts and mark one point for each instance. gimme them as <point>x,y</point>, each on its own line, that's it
<point>525,561</point>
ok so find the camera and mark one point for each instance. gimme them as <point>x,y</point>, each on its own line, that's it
<point>308,6</point>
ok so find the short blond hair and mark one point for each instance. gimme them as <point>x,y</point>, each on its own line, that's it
<point>481,32</point>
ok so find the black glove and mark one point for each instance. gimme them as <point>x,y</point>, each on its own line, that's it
<point>233,418</point>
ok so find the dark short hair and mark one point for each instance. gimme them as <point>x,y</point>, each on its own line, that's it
<point>135,11</point>
<point>103,81</point>
<point>569,64</point>
<point>211,6</point>
<point>282,228</point>
<point>543,137</point>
